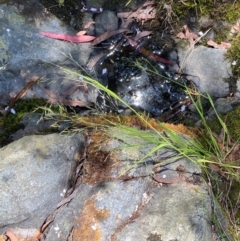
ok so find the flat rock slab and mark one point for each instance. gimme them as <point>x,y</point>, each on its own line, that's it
<point>135,210</point>
<point>33,174</point>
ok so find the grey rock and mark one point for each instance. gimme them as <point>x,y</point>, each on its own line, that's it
<point>134,207</point>
<point>106,21</point>
<point>207,68</point>
<point>223,106</point>
<point>26,53</point>
<point>33,174</point>
<point>33,123</point>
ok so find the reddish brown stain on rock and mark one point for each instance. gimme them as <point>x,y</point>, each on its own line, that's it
<point>99,163</point>
<point>88,223</point>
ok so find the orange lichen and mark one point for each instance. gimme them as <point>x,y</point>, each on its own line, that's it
<point>88,226</point>
<point>131,121</point>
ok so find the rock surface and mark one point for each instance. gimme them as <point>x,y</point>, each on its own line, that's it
<point>33,174</point>
<point>108,202</point>
<point>207,68</point>
<point>25,53</point>
<point>106,21</point>
<point>171,202</point>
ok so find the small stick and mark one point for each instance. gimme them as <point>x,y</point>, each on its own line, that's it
<point>20,94</point>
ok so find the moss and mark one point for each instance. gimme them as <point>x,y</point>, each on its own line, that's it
<point>221,14</point>
<point>228,11</point>
<point>11,123</point>
<point>233,123</point>
<point>234,198</point>
<point>215,126</point>
<point>234,55</point>
<point>232,11</point>
<point>15,19</point>
<point>131,121</point>
<point>231,119</point>
<point>200,7</point>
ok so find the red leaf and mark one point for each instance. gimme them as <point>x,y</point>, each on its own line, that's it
<point>69,38</point>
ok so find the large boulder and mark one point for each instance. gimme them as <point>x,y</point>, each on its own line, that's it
<point>33,176</point>
<point>160,198</point>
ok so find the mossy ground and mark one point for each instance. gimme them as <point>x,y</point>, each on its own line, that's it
<point>11,123</point>
<point>217,10</point>
<point>222,14</point>
<point>232,122</point>
<point>234,54</point>
<point>228,10</point>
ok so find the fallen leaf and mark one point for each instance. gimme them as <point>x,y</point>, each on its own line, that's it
<point>20,234</point>
<point>12,94</point>
<point>11,236</point>
<point>142,34</point>
<point>223,45</point>
<point>30,83</point>
<point>94,60</point>
<point>88,25</point>
<point>148,54</point>
<point>165,180</point>
<point>82,32</point>
<point>69,38</point>
<point>107,35</point>
<point>3,238</point>
<point>237,28</point>
<point>217,169</point>
<point>63,98</point>
<point>144,12</point>
<point>189,36</point>
<point>60,204</point>
<point>67,199</point>
<point>46,224</point>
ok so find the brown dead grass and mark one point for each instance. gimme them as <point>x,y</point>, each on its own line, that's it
<point>131,121</point>
<point>99,163</point>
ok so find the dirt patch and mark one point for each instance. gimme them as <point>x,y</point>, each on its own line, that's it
<point>99,162</point>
